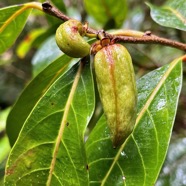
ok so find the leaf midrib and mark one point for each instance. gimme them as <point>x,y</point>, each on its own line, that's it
<point>63,123</point>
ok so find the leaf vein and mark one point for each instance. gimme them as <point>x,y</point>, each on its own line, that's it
<point>141,157</point>
<point>124,183</point>
<point>156,135</point>
<point>97,141</point>
<point>100,159</point>
<point>71,161</point>
<point>177,14</point>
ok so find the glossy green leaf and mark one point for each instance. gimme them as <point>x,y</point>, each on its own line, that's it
<point>38,85</point>
<point>12,21</point>
<point>171,14</point>
<point>51,106</point>
<point>37,88</point>
<point>139,159</point>
<point>104,11</point>
<point>48,52</point>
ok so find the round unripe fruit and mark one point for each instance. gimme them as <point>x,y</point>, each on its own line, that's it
<point>69,39</point>
<point>117,88</point>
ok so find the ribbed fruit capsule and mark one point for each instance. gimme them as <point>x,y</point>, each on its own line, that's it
<point>117,88</point>
<point>69,39</point>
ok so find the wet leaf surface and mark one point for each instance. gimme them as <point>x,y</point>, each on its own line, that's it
<point>139,160</point>
<point>12,21</point>
<point>37,116</point>
<point>171,14</point>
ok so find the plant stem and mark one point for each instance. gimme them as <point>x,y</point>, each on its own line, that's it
<point>152,40</point>
<point>125,36</point>
<point>49,9</point>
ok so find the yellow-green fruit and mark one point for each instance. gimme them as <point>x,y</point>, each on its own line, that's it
<point>70,41</point>
<point>117,88</point>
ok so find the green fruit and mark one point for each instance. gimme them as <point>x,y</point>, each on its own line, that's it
<point>117,88</point>
<point>69,39</point>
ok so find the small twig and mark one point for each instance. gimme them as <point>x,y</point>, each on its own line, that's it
<point>146,38</point>
<point>152,40</point>
<point>49,9</point>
